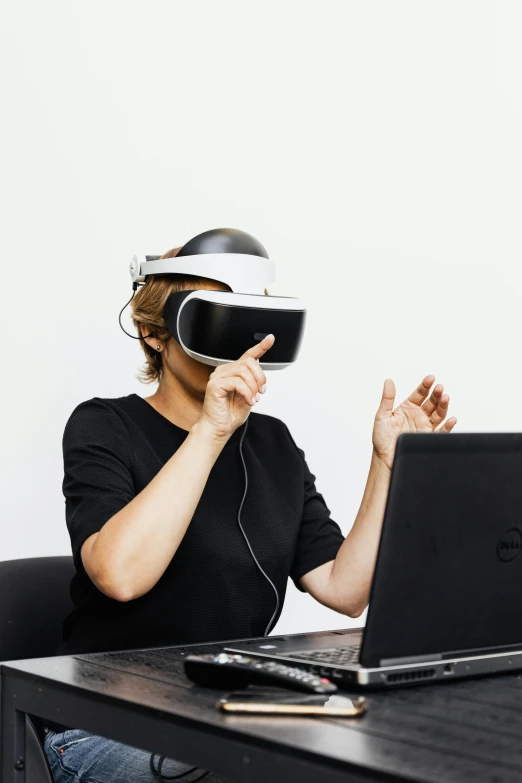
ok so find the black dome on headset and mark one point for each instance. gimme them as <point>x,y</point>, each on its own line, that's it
<point>223,240</point>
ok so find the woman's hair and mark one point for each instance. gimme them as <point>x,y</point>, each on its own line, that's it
<point>147,312</point>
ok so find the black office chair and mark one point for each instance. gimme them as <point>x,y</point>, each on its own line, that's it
<point>34,599</point>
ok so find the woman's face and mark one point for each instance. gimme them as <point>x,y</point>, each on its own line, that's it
<point>192,375</point>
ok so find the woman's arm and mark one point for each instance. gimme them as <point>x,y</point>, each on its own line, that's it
<point>133,549</point>
<point>130,553</point>
<point>344,584</point>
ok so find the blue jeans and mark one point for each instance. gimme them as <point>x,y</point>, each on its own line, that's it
<point>78,757</point>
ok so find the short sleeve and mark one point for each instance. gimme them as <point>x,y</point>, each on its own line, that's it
<point>320,538</point>
<point>97,471</point>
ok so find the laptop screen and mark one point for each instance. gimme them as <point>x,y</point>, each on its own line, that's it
<point>448,578</point>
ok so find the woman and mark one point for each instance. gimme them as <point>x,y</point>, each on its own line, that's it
<point>153,487</point>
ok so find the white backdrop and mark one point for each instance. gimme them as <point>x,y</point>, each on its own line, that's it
<point>373,147</point>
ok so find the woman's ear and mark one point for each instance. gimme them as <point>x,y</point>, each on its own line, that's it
<point>150,339</point>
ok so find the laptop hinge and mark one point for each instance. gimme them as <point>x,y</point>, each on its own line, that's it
<point>480,651</point>
<point>410,659</point>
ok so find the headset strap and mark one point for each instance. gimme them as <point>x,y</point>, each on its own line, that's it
<point>245,274</point>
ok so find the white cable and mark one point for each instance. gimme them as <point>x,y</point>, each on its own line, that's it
<point>256,561</point>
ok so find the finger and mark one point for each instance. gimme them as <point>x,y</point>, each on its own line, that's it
<point>438,415</point>
<point>431,404</point>
<point>256,370</point>
<point>387,399</point>
<point>422,391</point>
<point>262,347</point>
<point>236,384</point>
<point>447,426</point>
<point>242,370</point>
<point>246,364</point>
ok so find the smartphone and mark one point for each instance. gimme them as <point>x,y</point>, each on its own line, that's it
<point>276,701</point>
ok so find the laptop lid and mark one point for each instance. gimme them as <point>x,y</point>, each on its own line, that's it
<point>448,576</point>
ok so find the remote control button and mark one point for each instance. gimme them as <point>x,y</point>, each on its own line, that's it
<point>324,679</point>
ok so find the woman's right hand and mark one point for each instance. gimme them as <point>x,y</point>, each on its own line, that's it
<point>233,389</point>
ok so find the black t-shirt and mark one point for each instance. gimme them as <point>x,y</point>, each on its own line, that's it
<point>211,589</point>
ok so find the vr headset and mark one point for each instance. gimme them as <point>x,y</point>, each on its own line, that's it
<point>216,327</point>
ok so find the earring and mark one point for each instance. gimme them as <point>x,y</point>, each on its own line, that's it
<point>158,347</point>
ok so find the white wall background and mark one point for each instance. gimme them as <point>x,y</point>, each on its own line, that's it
<point>373,147</point>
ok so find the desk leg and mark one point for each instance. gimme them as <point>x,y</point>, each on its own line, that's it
<point>12,734</point>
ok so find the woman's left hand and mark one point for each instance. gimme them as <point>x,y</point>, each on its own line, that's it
<point>419,413</point>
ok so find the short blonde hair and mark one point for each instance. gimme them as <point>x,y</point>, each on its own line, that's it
<point>147,313</point>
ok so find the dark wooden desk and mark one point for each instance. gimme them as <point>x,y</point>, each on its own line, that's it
<point>467,731</point>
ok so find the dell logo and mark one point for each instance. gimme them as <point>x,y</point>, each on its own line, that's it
<point>509,545</point>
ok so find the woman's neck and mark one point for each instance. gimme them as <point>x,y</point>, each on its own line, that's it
<point>178,404</point>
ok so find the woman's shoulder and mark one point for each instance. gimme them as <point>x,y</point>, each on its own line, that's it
<point>275,433</point>
<point>270,427</point>
<point>99,415</point>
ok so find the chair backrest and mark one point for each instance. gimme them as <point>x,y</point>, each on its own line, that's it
<point>34,600</point>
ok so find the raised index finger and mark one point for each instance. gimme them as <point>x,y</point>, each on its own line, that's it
<point>422,391</point>
<point>261,348</point>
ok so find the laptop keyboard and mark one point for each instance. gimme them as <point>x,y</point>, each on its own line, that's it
<point>339,656</point>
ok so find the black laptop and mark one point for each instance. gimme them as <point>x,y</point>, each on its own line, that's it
<point>446,599</point>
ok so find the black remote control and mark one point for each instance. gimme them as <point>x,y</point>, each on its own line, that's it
<point>228,670</point>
